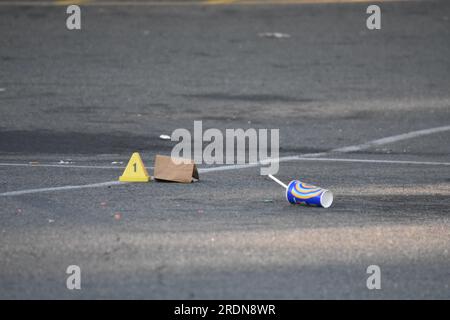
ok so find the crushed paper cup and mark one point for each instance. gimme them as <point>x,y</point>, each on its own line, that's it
<point>298,192</point>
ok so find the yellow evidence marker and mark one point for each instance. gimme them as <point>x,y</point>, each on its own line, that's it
<point>135,170</point>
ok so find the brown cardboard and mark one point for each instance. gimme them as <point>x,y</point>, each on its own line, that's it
<point>167,170</point>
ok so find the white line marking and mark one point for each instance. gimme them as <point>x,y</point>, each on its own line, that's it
<point>233,167</point>
<point>359,147</point>
<point>387,140</point>
<point>304,157</point>
<point>354,148</point>
<point>229,167</point>
<point>94,185</point>
<point>262,162</point>
<point>428,163</point>
<point>61,166</point>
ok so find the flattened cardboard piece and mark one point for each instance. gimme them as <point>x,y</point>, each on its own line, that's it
<point>168,170</point>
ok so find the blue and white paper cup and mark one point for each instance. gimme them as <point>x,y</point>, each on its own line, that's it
<point>298,192</point>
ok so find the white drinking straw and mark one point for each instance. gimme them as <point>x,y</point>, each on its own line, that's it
<point>277,181</point>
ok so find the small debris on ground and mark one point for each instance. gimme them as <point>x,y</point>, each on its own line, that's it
<point>67,161</point>
<point>51,220</point>
<point>164,137</point>
<point>117,162</point>
<point>274,35</point>
<point>103,204</point>
<point>117,216</point>
<point>267,200</point>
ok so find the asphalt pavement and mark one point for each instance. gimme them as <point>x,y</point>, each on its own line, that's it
<point>76,104</point>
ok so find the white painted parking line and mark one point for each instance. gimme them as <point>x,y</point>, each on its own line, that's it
<point>392,139</point>
<point>93,185</point>
<point>233,167</point>
<point>420,163</point>
<point>353,148</point>
<point>304,157</point>
<point>236,167</point>
<point>60,166</point>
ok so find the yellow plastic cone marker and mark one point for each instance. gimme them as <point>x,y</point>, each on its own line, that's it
<point>135,170</point>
